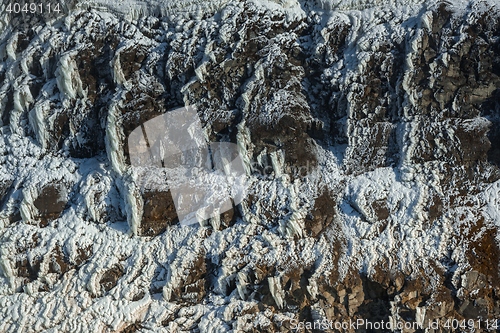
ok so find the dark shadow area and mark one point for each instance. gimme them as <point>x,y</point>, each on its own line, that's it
<point>376,306</point>
<point>491,111</point>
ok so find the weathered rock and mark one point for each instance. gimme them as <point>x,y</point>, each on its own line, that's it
<point>5,186</point>
<point>193,288</point>
<point>229,217</point>
<point>110,278</point>
<point>321,215</point>
<point>132,328</point>
<point>30,264</point>
<point>407,101</point>
<point>51,202</point>
<point>159,213</point>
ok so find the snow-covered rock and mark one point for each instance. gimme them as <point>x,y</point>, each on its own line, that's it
<point>370,135</point>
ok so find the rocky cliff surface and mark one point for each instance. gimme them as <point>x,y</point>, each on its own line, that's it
<point>372,137</point>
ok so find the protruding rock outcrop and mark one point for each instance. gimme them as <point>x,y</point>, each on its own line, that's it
<point>370,138</point>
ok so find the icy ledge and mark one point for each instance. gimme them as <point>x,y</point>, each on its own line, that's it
<point>133,9</point>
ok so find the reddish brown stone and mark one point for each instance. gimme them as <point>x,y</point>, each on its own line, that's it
<point>159,213</point>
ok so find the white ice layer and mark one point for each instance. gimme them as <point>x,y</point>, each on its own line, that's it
<point>277,291</point>
<point>37,121</point>
<point>68,78</point>
<point>133,9</point>
<point>160,266</point>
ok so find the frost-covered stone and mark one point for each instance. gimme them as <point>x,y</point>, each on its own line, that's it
<point>369,132</point>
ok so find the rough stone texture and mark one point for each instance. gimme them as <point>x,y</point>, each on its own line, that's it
<point>51,202</point>
<point>110,278</point>
<point>192,289</point>
<point>321,216</point>
<point>5,186</point>
<point>159,213</point>
<point>373,139</point>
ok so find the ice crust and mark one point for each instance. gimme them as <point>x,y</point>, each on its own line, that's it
<point>76,302</point>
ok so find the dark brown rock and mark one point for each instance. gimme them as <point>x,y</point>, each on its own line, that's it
<point>51,202</point>
<point>28,269</point>
<point>322,214</point>
<point>381,210</point>
<point>83,253</point>
<point>131,60</point>
<point>303,98</point>
<point>159,213</point>
<point>229,217</point>
<point>110,278</point>
<point>193,289</point>
<point>132,328</point>
<point>484,254</point>
<point>5,186</point>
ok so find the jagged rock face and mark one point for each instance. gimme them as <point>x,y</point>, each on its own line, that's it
<point>158,214</point>
<point>50,203</point>
<point>371,139</point>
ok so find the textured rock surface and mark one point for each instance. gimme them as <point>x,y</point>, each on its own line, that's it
<point>372,136</point>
